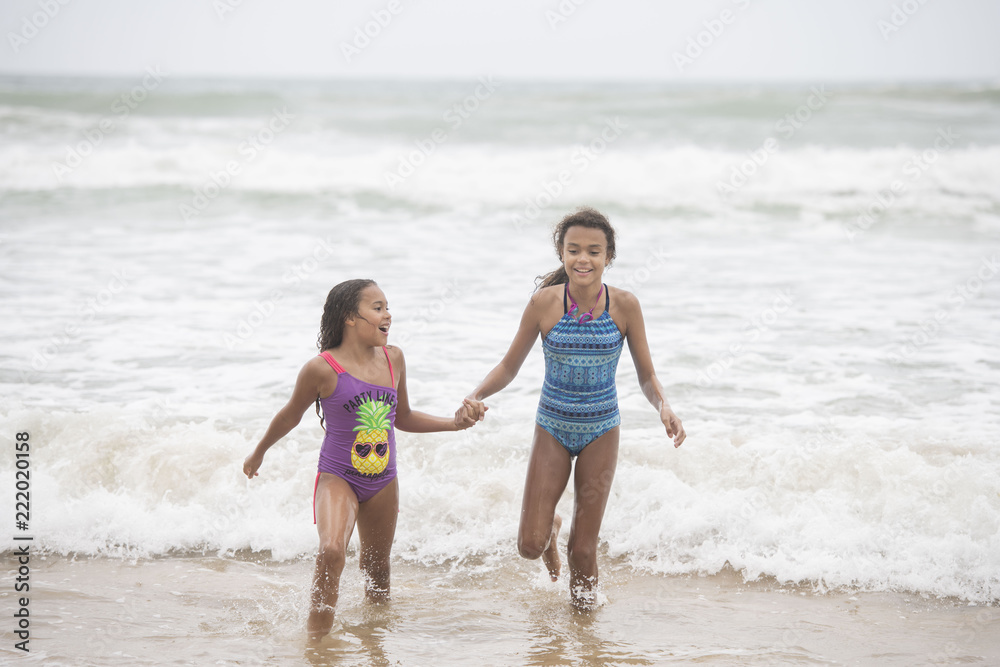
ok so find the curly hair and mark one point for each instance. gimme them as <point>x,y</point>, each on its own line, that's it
<point>582,217</point>
<point>342,302</point>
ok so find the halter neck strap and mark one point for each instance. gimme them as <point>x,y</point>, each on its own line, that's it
<point>575,309</point>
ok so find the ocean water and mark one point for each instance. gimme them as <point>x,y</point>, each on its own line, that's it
<point>817,266</point>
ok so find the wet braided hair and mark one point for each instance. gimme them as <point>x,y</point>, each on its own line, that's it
<point>582,217</point>
<point>342,302</point>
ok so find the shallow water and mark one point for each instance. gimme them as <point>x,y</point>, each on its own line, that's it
<point>194,610</point>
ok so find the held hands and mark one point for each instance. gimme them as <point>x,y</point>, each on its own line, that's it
<point>673,424</point>
<point>472,411</point>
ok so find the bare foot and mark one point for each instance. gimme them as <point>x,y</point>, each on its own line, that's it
<point>583,599</point>
<point>551,554</point>
<point>319,624</point>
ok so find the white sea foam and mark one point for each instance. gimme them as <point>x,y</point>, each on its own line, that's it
<point>875,505</point>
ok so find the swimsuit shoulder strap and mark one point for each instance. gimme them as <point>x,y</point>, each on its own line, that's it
<point>340,369</point>
<point>333,362</point>
<point>392,376</point>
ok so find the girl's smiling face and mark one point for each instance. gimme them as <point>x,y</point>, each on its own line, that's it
<point>373,318</point>
<point>584,254</point>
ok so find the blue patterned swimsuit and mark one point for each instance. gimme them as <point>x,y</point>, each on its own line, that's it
<point>579,402</point>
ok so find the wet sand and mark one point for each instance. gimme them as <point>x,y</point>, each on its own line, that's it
<point>200,610</point>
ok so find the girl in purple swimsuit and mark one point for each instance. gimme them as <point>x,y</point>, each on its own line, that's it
<point>578,407</point>
<point>360,383</point>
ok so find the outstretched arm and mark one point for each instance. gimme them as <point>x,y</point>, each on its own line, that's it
<point>415,421</point>
<point>504,372</point>
<point>308,386</point>
<point>635,334</point>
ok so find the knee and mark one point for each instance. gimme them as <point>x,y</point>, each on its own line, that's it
<point>530,548</point>
<point>332,556</point>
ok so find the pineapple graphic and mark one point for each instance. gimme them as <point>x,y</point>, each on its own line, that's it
<point>370,453</point>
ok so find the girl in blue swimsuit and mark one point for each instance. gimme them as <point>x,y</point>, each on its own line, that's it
<point>578,408</point>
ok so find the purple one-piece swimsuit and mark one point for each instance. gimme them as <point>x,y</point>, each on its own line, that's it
<point>360,442</point>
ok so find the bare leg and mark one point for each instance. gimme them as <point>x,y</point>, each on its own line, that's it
<point>595,470</point>
<point>548,473</point>
<point>376,528</point>
<point>336,514</point>
<point>551,554</point>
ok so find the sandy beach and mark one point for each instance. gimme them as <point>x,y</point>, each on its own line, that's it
<point>202,610</point>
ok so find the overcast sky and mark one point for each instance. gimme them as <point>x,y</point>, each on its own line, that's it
<point>765,40</point>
